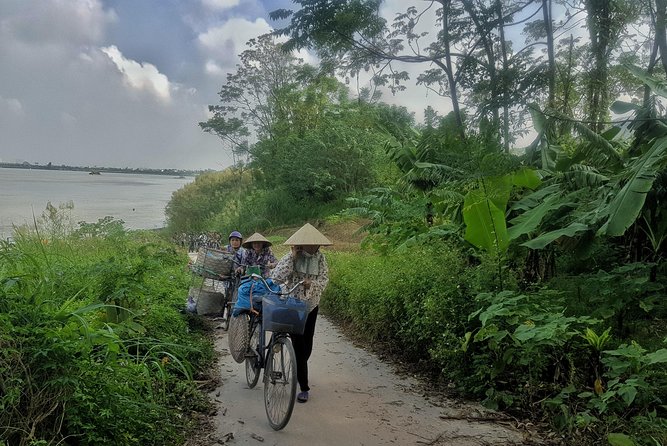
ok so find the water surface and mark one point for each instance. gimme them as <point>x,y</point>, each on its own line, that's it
<point>137,199</point>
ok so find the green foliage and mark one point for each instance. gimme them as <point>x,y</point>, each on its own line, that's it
<point>627,204</point>
<point>415,301</point>
<point>195,207</point>
<point>484,209</point>
<point>69,371</point>
<point>521,345</point>
<point>329,147</point>
<point>624,297</point>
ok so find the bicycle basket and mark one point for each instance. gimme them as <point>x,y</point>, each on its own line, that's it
<point>284,316</point>
<point>213,263</point>
<point>208,300</point>
<point>237,335</point>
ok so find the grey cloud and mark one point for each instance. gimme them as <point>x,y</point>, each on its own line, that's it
<point>63,100</point>
<point>55,21</point>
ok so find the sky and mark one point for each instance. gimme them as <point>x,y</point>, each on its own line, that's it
<point>124,83</point>
<point>120,83</point>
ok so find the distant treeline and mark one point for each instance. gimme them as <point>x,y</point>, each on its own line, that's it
<point>49,166</point>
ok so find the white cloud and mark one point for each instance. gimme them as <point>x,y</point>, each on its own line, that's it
<point>55,21</point>
<point>223,43</point>
<point>213,68</point>
<point>220,4</point>
<point>68,120</point>
<point>141,76</point>
<point>12,106</point>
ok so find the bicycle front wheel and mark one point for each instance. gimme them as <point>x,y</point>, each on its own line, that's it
<point>280,385</point>
<point>253,364</point>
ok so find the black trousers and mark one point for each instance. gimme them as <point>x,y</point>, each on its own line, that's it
<point>303,347</point>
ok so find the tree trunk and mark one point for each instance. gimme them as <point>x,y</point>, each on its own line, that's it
<point>649,70</point>
<point>600,28</point>
<point>484,33</point>
<point>449,69</point>
<point>504,86</point>
<point>568,81</point>
<point>660,34</point>
<point>548,25</point>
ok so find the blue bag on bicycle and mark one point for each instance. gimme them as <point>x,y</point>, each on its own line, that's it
<point>285,315</point>
<point>252,290</point>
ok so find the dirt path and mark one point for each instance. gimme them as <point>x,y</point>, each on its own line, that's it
<point>355,400</point>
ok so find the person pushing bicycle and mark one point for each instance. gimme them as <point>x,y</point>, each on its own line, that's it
<point>305,262</point>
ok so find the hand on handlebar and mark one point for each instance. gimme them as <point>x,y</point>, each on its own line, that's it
<point>280,293</point>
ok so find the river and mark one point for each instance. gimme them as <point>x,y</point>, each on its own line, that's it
<point>137,199</point>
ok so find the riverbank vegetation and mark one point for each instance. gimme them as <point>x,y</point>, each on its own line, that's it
<point>94,347</point>
<point>534,278</point>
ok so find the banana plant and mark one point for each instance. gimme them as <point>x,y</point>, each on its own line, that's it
<point>634,183</point>
<point>485,206</point>
<point>615,172</point>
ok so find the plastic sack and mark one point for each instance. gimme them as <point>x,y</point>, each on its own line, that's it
<point>255,288</point>
<point>191,305</point>
<point>284,315</point>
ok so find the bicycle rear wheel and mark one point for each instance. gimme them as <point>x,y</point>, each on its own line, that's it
<point>280,385</point>
<point>253,364</point>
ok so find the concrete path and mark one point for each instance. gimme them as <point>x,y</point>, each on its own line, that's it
<point>356,399</point>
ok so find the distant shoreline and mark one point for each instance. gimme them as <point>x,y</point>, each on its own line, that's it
<point>169,172</point>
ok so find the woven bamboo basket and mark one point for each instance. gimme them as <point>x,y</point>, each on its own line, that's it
<point>237,336</point>
<point>208,300</point>
<point>213,263</point>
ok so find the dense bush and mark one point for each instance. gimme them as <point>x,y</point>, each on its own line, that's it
<point>418,300</point>
<point>558,353</point>
<point>224,201</point>
<point>196,206</point>
<point>93,349</point>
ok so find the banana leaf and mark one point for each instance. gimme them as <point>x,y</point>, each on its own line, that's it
<point>544,239</point>
<point>530,220</point>
<point>484,215</point>
<point>626,205</point>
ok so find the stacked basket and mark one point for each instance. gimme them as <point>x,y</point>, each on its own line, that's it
<point>211,266</point>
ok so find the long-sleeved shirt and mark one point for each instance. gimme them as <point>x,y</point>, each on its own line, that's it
<point>261,259</point>
<point>285,272</point>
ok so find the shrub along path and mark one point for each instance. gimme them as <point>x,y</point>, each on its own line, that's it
<point>356,399</point>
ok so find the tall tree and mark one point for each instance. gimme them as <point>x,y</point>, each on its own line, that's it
<point>250,98</point>
<point>466,56</point>
<point>660,32</point>
<point>350,35</point>
<point>606,20</point>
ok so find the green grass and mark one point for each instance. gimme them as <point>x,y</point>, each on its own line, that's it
<point>74,367</point>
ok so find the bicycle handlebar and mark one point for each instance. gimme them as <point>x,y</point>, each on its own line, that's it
<point>279,293</point>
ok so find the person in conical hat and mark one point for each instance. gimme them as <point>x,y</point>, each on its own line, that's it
<point>305,262</point>
<point>258,253</point>
<point>308,235</point>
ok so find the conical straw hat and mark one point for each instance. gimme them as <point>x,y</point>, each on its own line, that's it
<point>256,237</point>
<point>308,235</point>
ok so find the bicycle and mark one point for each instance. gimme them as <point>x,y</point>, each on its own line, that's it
<point>232,290</point>
<point>281,316</point>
